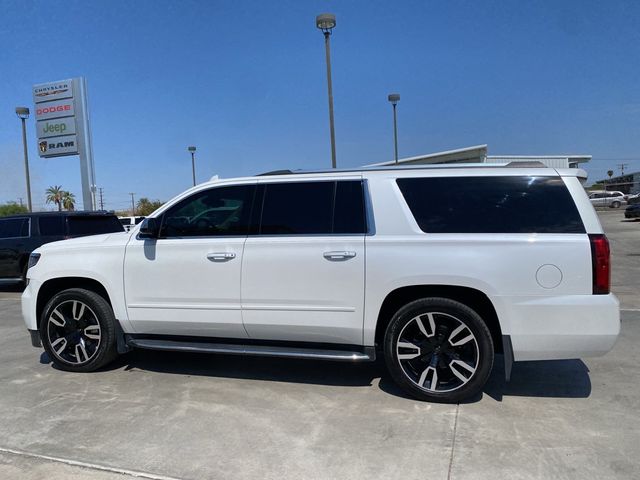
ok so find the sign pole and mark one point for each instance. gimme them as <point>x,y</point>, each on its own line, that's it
<point>87,175</point>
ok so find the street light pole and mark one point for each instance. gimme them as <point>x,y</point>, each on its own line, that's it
<point>23,114</point>
<point>394,98</point>
<point>192,150</point>
<point>133,205</point>
<point>326,22</point>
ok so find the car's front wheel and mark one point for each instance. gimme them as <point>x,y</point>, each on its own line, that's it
<point>438,349</point>
<point>78,332</point>
<point>616,204</point>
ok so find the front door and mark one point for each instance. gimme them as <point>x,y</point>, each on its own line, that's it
<point>303,269</point>
<point>187,282</point>
<point>14,245</point>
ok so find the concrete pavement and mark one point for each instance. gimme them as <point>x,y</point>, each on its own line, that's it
<point>191,416</point>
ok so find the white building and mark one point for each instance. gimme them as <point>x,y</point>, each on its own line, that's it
<point>478,154</point>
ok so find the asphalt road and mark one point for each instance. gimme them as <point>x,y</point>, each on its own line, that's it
<point>189,416</point>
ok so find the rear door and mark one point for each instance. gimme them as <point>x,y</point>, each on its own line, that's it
<point>303,266</point>
<point>51,228</point>
<point>14,239</point>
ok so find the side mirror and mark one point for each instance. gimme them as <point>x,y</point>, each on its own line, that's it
<point>150,228</point>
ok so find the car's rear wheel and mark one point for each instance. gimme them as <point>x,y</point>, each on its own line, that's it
<point>78,331</point>
<point>438,349</point>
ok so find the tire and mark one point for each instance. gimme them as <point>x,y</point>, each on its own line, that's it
<point>438,340</point>
<point>78,330</point>
<point>615,204</point>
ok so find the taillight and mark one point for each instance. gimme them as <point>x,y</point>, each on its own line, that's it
<point>601,263</point>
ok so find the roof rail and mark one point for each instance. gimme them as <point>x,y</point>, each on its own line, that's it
<point>275,172</point>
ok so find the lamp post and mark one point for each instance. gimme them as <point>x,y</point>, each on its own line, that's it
<point>326,22</point>
<point>23,114</point>
<point>394,98</point>
<point>192,151</point>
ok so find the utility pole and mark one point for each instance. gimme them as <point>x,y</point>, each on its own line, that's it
<point>101,199</point>
<point>133,205</point>
<point>20,200</point>
<point>622,167</point>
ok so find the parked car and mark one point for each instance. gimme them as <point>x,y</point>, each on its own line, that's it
<point>129,222</point>
<point>607,199</point>
<point>632,211</point>
<point>436,269</point>
<point>21,234</point>
<point>633,199</point>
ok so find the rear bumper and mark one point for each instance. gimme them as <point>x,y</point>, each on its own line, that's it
<point>562,327</point>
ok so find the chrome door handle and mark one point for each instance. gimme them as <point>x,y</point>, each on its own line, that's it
<point>221,257</point>
<point>334,256</point>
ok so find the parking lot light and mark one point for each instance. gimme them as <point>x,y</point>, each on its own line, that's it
<point>192,150</point>
<point>23,114</point>
<point>326,22</point>
<point>394,98</point>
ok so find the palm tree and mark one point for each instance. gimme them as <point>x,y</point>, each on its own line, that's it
<point>54,195</point>
<point>68,201</point>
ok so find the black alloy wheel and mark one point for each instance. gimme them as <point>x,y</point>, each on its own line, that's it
<point>438,349</point>
<point>77,328</point>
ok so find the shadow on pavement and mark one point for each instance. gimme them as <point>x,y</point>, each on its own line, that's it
<point>11,287</point>
<point>553,379</point>
<point>550,378</point>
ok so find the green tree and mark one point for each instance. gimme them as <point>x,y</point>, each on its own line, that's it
<point>12,208</point>
<point>145,206</point>
<point>55,195</point>
<point>68,201</point>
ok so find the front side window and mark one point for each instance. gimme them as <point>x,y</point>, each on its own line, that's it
<point>216,212</point>
<point>14,227</point>
<point>491,205</point>
<point>308,208</point>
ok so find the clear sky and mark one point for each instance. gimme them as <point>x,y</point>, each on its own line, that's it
<point>245,82</point>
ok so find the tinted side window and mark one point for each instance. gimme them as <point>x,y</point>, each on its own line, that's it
<point>53,225</point>
<point>215,212</point>
<point>297,208</point>
<point>81,225</point>
<point>349,211</point>
<point>14,227</point>
<point>491,205</point>
<point>313,208</point>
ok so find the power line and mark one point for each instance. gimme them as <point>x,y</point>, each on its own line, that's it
<point>622,165</point>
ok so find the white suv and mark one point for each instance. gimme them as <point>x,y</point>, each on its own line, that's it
<point>436,268</point>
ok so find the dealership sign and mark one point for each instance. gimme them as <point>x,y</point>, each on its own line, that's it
<point>55,117</point>
<point>62,125</point>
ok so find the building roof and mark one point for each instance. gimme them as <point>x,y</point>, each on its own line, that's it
<point>475,154</point>
<point>571,159</point>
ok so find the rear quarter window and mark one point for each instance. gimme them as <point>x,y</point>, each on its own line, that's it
<point>82,225</point>
<point>491,204</point>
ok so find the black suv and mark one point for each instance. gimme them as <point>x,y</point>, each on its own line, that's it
<point>22,234</point>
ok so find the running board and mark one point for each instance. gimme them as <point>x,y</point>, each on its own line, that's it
<point>368,355</point>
